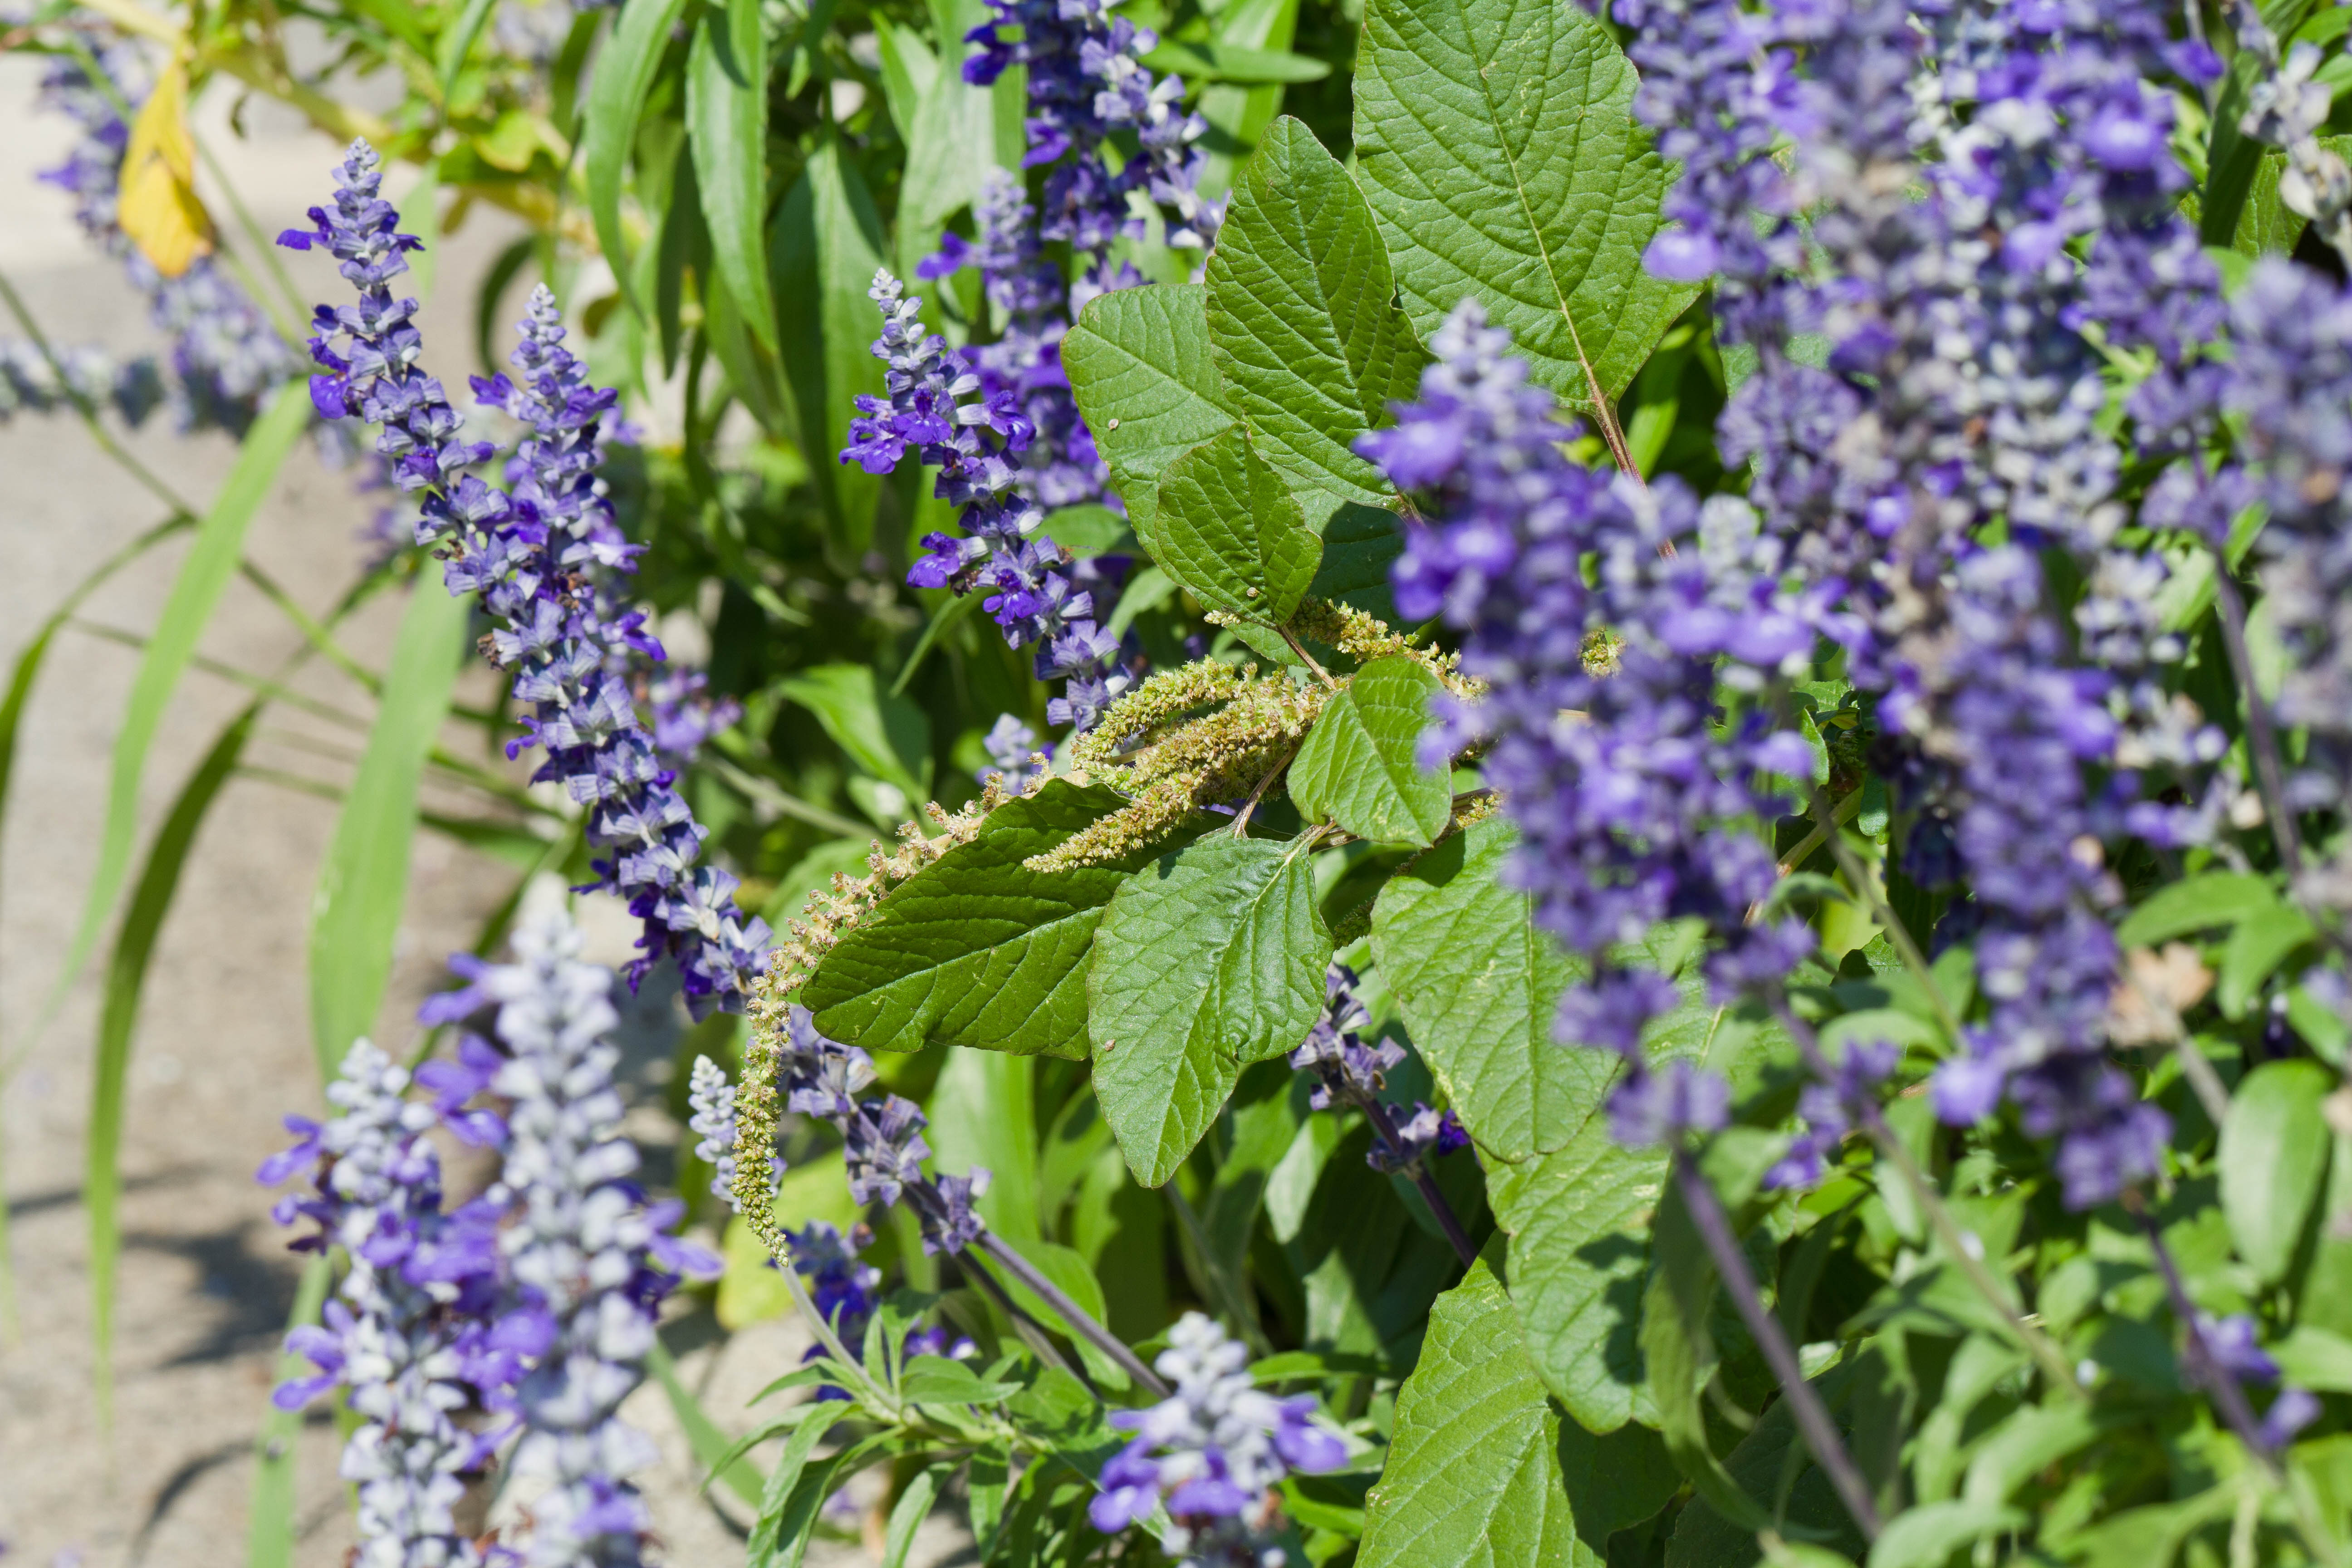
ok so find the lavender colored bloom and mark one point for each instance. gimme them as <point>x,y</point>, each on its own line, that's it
<point>30,384</point>
<point>586,1258</point>
<point>404,1336</point>
<point>1012,745</point>
<point>976,446</point>
<point>1349,1073</point>
<point>1829,1110</point>
<point>846,1291</point>
<point>1634,813</point>
<point>1211,1453</point>
<point>712,1099</point>
<point>543,560</point>
<point>685,716</point>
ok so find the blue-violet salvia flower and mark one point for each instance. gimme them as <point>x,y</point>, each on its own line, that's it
<point>1211,1453</point>
<point>542,560</point>
<point>1350,1073</point>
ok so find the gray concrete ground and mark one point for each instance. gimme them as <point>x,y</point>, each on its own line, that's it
<point>223,1048</point>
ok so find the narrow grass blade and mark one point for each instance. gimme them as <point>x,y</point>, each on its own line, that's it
<point>364,882</point>
<point>709,1444</point>
<point>458,42</point>
<point>270,1521</point>
<point>727,121</point>
<point>126,979</point>
<point>220,542</point>
<point>616,96</point>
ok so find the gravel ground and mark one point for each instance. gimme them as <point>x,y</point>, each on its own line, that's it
<point>223,1047</point>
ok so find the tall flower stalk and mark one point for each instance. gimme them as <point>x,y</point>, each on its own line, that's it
<point>544,560</point>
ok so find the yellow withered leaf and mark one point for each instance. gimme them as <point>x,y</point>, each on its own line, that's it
<point>157,206</point>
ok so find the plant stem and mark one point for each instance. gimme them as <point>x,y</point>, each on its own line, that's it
<point>1071,1313</point>
<point>1931,1203</point>
<point>1813,1418</point>
<point>1897,934</point>
<point>1228,1288</point>
<point>1385,1125</point>
<point>98,431</point>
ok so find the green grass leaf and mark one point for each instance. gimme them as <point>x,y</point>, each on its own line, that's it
<point>1232,62</point>
<point>2200,903</point>
<point>126,981</point>
<point>710,1446</point>
<point>823,250</point>
<point>2272,1161</point>
<point>616,97</point>
<point>1478,983</point>
<point>1303,323</point>
<point>1224,526</point>
<point>1208,959</point>
<point>974,951</point>
<point>885,735</point>
<point>1495,142</point>
<point>983,1111</point>
<point>1482,1469</point>
<point>782,1504</point>
<point>951,142</point>
<point>363,883</point>
<point>456,41</point>
<point>1139,365</point>
<point>726,124</point>
<point>270,1519</point>
<point>1356,767</point>
<point>211,561</point>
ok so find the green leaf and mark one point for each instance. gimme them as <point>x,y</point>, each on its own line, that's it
<point>785,1503</point>
<point>711,1448</point>
<point>886,735</point>
<point>2272,1159</point>
<point>616,96</point>
<point>1495,142</point>
<point>1210,958</point>
<point>1359,542</point>
<point>1224,526</point>
<point>974,951</point>
<point>825,250</point>
<point>2200,903</point>
<point>363,883</point>
<point>269,1518</point>
<point>2257,946</point>
<point>1230,62</point>
<point>1139,365</point>
<point>983,1111</point>
<point>1238,115</point>
<point>935,1380</point>
<point>195,593</point>
<point>126,983</point>
<point>726,123</point>
<point>1357,768</point>
<point>2315,1359</point>
<point>1478,983</point>
<point>457,41</point>
<point>950,148</point>
<point>1925,1536</point>
<point>1483,1471</point>
<point>907,1513</point>
<point>1303,323</point>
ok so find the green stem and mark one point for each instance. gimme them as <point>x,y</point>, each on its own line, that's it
<point>98,431</point>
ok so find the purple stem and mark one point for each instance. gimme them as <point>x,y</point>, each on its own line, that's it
<point>1386,1127</point>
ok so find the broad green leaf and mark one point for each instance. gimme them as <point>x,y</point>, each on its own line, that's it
<point>951,142</point>
<point>1356,767</point>
<point>616,96</point>
<point>1478,983</point>
<point>195,593</point>
<point>702,1433</point>
<point>126,983</point>
<point>726,123</point>
<point>1303,323</point>
<point>1472,1473</point>
<point>1139,365</point>
<point>974,951</point>
<point>1927,1535</point>
<point>2272,1160</point>
<point>1772,1466</point>
<point>909,69</point>
<point>1208,959</point>
<point>1359,542</point>
<point>269,1518</point>
<point>752,371</point>
<point>2314,1358</point>
<point>1226,527</point>
<point>886,735</point>
<point>983,1113</point>
<point>825,249</point>
<point>2200,903</point>
<point>2257,946</point>
<point>363,883</point>
<point>1483,1471</point>
<point>1232,62</point>
<point>1496,143</point>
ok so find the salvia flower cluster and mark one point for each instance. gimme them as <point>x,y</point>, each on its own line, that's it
<point>543,560</point>
<point>532,1304</point>
<point>1211,1453</point>
<point>1353,1074</point>
<point>1641,810</point>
